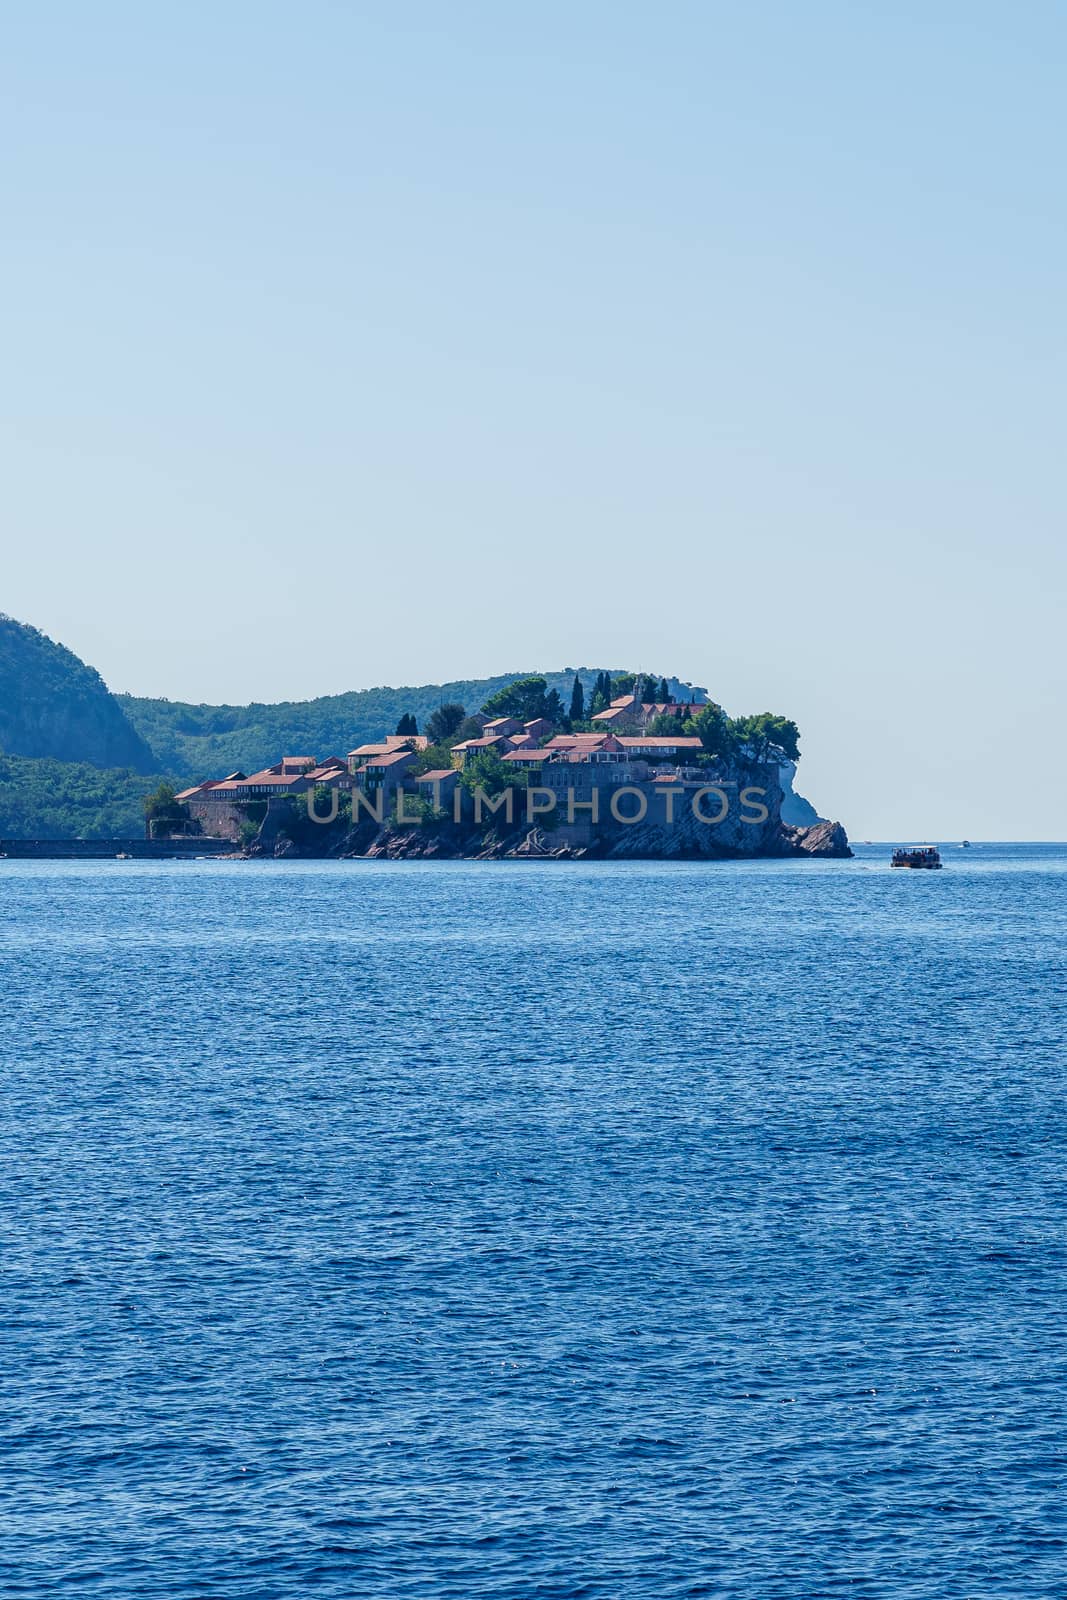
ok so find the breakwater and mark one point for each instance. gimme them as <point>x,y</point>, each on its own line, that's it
<point>107,849</point>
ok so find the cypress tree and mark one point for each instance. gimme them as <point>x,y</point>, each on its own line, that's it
<point>577,711</point>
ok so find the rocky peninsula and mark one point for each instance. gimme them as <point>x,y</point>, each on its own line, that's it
<point>636,774</point>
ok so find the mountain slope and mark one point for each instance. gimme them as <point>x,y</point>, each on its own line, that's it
<point>52,705</point>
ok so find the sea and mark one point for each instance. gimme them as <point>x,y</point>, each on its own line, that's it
<point>586,1231</point>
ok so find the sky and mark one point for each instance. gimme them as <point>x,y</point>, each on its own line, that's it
<point>346,345</point>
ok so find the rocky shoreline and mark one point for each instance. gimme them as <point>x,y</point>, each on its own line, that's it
<point>449,842</point>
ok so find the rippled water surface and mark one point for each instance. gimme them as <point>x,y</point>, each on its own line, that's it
<point>520,1229</point>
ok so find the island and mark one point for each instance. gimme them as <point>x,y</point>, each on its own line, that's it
<point>632,772</point>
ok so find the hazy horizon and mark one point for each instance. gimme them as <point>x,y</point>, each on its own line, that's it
<point>349,348</point>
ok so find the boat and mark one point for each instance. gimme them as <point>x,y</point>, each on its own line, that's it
<point>966,845</point>
<point>916,855</point>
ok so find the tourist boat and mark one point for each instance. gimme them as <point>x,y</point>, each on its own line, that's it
<point>916,855</point>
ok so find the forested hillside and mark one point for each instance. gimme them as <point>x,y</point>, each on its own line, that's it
<point>53,705</point>
<point>46,799</point>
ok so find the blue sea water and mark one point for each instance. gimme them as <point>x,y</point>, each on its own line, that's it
<point>459,1230</point>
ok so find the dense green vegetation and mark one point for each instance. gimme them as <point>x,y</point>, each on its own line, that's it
<point>759,738</point>
<point>52,704</point>
<point>47,799</point>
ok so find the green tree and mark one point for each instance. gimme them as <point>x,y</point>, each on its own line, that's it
<point>407,727</point>
<point>553,711</point>
<point>767,737</point>
<point>469,728</point>
<point>433,758</point>
<point>164,812</point>
<point>714,729</point>
<point>486,771</point>
<point>577,711</point>
<point>443,722</point>
<point>602,694</point>
<point>664,694</point>
<point>524,699</point>
<point>417,810</point>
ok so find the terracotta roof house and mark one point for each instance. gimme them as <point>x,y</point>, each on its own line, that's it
<point>584,741</point>
<point>262,785</point>
<point>384,747</point>
<point>199,790</point>
<point>384,772</point>
<point>332,772</point>
<point>438,785</point>
<point>658,745</point>
<point>500,726</point>
<point>627,712</point>
<point>623,712</point>
<point>531,758</point>
<point>439,775</point>
<point>391,761</point>
<point>462,752</point>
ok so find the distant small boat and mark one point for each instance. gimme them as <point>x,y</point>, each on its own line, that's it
<point>966,845</point>
<point>916,855</point>
<point>123,855</point>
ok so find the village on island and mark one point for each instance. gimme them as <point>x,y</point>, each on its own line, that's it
<point>638,773</point>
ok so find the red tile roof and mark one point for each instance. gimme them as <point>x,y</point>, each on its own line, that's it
<point>390,759</point>
<point>485,743</point>
<point>395,741</point>
<point>659,742</point>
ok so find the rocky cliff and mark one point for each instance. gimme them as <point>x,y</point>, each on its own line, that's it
<point>826,840</point>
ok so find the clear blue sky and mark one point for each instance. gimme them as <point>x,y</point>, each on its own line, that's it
<point>347,345</point>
